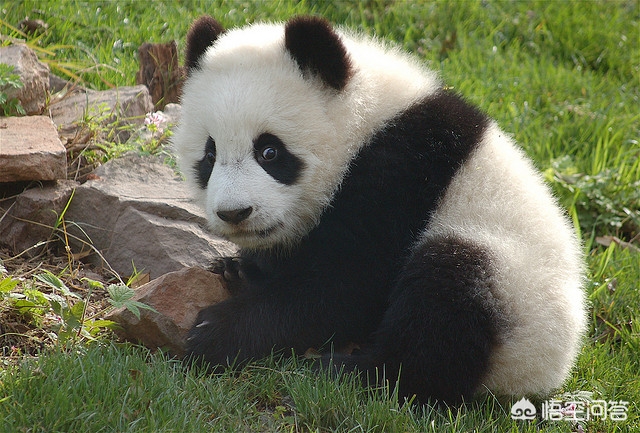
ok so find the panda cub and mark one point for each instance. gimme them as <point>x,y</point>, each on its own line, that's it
<point>372,205</point>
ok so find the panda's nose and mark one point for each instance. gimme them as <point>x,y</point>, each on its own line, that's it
<point>234,216</point>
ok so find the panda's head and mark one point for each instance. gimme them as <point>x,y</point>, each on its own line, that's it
<point>261,125</point>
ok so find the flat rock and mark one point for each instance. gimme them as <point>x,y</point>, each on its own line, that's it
<point>121,106</point>
<point>31,218</point>
<point>33,74</point>
<point>30,150</point>
<point>177,298</point>
<point>139,214</point>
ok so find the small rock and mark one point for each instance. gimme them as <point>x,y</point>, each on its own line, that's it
<point>177,297</point>
<point>33,74</point>
<point>32,216</point>
<point>172,113</point>
<point>30,150</point>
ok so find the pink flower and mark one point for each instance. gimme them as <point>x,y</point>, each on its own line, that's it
<point>157,119</point>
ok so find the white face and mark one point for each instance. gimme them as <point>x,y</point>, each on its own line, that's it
<point>253,142</point>
<point>247,86</point>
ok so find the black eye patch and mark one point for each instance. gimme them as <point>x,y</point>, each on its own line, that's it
<point>276,160</point>
<point>204,167</point>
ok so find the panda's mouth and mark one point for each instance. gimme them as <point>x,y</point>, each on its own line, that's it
<point>265,233</point>
<point>255,233</point>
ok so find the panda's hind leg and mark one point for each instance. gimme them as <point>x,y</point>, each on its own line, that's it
<point>441,324</point>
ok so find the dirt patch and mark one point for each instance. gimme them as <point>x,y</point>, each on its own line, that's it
<point>26,329</point>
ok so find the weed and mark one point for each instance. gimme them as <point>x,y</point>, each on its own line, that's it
<point>121,296</point>
<point>48,303</point>
<point>9,106</point>
<point>45,301</point>
<point>605,202</point>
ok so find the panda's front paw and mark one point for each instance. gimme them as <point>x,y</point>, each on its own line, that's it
<point>231,270</point>
<point>208,343</point>
<point>228,267</point>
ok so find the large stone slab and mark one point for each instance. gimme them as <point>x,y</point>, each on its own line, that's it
<point>33,74</point>
<point>30,150</point>
<point>137,212</point>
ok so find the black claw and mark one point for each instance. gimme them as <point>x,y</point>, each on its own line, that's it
<point>231,269</point>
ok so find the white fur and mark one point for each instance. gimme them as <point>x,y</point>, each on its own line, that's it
<point>538,263</point>
<point>249,85</point>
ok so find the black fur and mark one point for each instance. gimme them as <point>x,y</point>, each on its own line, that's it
<point>202,34</point>
<point>204,167</point>
<point>356,278</point>
<point>270,152</point>
<point>275,159</point>
<point>440,327</point>
<point>317,49</point>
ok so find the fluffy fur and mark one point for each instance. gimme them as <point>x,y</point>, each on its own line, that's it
<point>372,206</point>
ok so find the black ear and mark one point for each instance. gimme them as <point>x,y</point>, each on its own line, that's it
<point>317,49</point>
<point>202,34</point>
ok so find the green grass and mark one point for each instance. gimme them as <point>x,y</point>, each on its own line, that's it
<point>123,389</point>
<point>562,77</point>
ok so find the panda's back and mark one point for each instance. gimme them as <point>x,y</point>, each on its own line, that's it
<point>498,201</point>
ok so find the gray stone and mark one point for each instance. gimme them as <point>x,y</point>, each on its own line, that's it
<point>137,212</point>
<point>30,150</point>
<point>117,107</point>
<point>30,220</point>
<point>33,74</point>
<point>57,84</point>
<point>59,87</point>
<point>172,113</point>
<point>177,298</point>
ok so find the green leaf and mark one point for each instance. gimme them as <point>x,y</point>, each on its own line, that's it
<point>120,296</point>
<point>73,316</point>
<point>55,283</point>
<point>8,284</point>
<point>56,307</point>
<point>36,296</point>
<point>119,293</point>
<point>130,305</point>
<point>25,306</point>
<point>101,324</point>
<point>77,309</point>
<point>93,284</point>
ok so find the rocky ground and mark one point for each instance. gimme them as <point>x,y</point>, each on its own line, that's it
<point>72,205</point>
